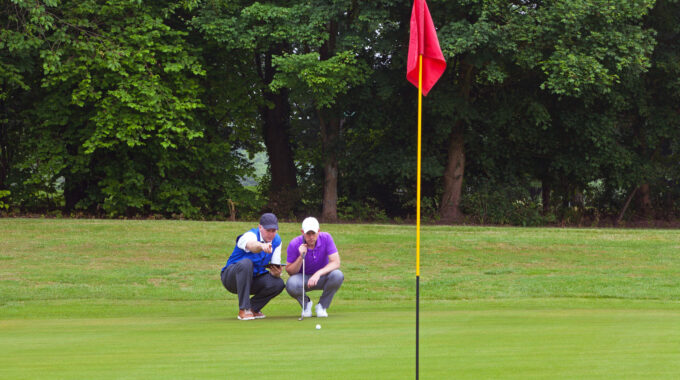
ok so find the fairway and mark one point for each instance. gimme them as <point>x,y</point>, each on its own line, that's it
<point>102,299</point>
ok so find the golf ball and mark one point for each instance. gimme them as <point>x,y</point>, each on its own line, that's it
<point>318,327</point>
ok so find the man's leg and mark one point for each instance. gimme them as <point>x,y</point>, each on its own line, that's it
<point>238,278</point>
<point>330,284</point>
<point>294,287</point>
<point>265,287</point>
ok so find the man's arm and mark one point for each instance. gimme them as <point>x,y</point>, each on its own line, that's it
<point>257,247</point>
<point>275,270</point>
<point>249,243</point>
<point>333,264</point>
<point>294,267</point>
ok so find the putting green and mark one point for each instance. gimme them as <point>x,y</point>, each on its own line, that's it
<point>549,338</point>
<point>115,299</point>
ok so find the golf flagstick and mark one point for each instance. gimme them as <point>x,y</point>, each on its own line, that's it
<point>420,109</point>
<point>423,45</point>
<point>302,314</point>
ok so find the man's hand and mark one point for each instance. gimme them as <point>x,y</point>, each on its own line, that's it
<point>313,280</point>
<point>275,270</point>
<point>303,250</point>
<point>266,247</point>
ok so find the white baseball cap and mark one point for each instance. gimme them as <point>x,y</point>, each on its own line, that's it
<point>310,224</point>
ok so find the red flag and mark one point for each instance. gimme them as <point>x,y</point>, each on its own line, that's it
<point>424,42</point>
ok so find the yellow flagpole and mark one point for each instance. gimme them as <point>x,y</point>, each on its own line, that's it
<point>420,111</point>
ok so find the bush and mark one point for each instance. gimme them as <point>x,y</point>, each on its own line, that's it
<point>3,194</point>
<point>363,211</point>
<point>489,203</point>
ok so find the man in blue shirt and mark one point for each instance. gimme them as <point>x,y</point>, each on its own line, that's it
<point>246,272</point>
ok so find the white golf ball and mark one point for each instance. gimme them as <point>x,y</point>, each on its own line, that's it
<point>318,327</point>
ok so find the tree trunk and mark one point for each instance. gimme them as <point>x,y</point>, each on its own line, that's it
<point>4,156</point>
<point>455,166</point>
<point>578,199</point>
<point>283,192</point>
<point>453,176</point>
<point>625,207</point>
<point>668,205</point>
<point>74,191</point>
<point>330,134</point>
<point>645,201</point>
<point>10,139</point>
<point>330,192</point>
<point>545,195</point>
<point>75,184</point>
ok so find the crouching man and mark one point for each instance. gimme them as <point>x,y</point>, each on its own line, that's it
<point>246,271</point>
<point>321,268</point>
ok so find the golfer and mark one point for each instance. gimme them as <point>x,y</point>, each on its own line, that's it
<point>322,267</point>
<point>246,272</point>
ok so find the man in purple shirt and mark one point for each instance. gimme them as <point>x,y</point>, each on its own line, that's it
<point>322,263</point>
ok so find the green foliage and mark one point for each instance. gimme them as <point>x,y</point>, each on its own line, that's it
<point>3,194</point>
<point>350,210</point>
<point>118,130</point>
<point>120,108</point>
<point>136,74</point>
<point>491,203</point>
<point>324,79</point>
<point>546,87</point>
<point>580,46</point>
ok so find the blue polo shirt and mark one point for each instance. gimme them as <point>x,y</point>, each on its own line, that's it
<point>259,259</point>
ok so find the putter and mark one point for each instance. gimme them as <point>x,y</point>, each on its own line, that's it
<point>302,314</point>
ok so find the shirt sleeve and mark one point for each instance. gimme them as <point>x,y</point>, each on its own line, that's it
<point>276,255</point>
<point>292,252</point>
<point>245,238</point>
<point>330,245</point>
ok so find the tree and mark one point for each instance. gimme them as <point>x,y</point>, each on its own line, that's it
<point>567,45</point>
<point>22,27</point>
<point>648,119</point>
<point>261,32</point>
<point>325,68</point>
<point>114,126</point>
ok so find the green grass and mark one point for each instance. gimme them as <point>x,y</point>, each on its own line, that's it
<point>101,299</point>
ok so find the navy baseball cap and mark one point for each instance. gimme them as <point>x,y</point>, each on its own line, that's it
<point>269,221</point>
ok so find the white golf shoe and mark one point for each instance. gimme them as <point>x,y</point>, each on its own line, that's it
<point>308,309</point>
<point>320,311</point>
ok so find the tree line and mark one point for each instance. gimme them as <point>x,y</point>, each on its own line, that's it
<point>549,110</point>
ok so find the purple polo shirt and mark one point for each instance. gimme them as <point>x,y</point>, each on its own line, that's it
<point>316,258</point>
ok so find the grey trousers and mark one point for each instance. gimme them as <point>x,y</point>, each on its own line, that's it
<point>329,283</point>
<point>238,279</point>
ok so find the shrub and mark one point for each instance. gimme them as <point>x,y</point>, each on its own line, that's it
<point>490,203</point>
<point>357,210</point>
<point>3,194</point>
